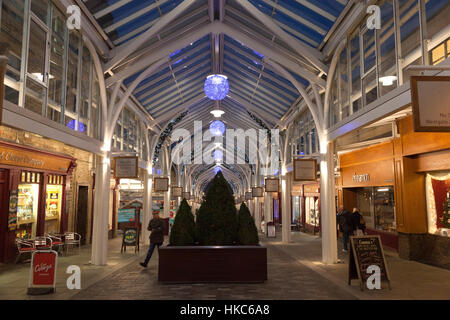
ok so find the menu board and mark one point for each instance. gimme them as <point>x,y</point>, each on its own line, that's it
<point>248,196</point>
<point>130,239</point>
<point>126,167</point>
<point>12,214</point>
<point>365,252</point>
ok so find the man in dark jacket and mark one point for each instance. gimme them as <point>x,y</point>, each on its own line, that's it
<point>156,226</point>
<point>358,221</point>
<point>346,226</point>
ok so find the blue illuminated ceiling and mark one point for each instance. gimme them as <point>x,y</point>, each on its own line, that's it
<point>177,85</point>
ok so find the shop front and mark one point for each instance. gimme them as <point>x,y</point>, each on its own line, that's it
<point>33,193</point>
<point>367,184</point>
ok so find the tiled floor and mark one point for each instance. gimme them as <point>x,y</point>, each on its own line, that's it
<point>295,272</point>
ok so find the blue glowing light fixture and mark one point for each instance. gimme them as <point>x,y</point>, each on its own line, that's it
<point>217,128</point>
<point>81,126</point>
<point>216,86</point>
<point>217,169</point>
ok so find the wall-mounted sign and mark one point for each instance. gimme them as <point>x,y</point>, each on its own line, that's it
<point>187,195</point>
<point>176,191</point>
<point>42,272</point>
<point>257,192</point>
<point>125,167</point>
<point>272,185</point>
<point>248,196</point>
<point>361,177</point>
<point>12,212</point>
<point>305,169</point>
<point>366,251</point>
<point>15,155</point>
<point>430,98</point>
<point>161,184</point>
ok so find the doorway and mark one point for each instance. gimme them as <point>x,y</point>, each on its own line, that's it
<point>82,213</point>
<point>4,243</point>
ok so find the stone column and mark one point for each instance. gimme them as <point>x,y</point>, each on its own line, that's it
<point>286,207</point>
<point>257,214</point>
<point>101,211</point>
<point>328,206</point>
<point>147,204</point>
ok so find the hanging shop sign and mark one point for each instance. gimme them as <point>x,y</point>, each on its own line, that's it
<point>15,155</point>
<point>430,98</point>
<point>272,185</point>
<point>187,195</point>
<point>176,191</point>
<point>42,277</point>
<point>257,192</point>
<point>366,255</point>
<point>161,184</point>
<point>305,169</point>
<point>125,167</point>
<point>248,195</point>
<point>130,239</point>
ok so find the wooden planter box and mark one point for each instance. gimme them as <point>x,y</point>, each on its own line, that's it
<point>212,264</point>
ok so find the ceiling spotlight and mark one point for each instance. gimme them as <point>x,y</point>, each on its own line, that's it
<point>217,113</point>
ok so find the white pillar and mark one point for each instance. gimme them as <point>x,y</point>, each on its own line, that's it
<point>101,211</point>
<point>167,203</point>
<point>267,199</point>
<point>147,214</point>
<point>286,207</point>
<point>257,214</point>
<point>327,204</point>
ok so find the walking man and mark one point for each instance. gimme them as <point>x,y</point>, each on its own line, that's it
<point>156,226</point>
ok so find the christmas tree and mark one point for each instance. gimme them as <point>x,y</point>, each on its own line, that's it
<point>183,230</point>
<point>248,234</point>
<point>217,222</point>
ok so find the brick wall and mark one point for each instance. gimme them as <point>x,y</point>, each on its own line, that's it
<point>81,174</point>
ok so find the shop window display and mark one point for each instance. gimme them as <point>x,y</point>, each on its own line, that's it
<point>53,208</point>
<point>27,208</point>
<point>438,203</point>
<point>312,211</point>
<point>377,206</point>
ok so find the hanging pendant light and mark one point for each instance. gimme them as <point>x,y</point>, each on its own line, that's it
<point>216,86</point>
<point>217,112</point>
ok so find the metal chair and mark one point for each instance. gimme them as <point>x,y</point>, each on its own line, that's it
<point>72,238</point>
<point>56,242</point>
<point>24,246</point>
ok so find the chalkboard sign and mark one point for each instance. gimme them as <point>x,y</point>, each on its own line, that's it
<point>366,251</point>
<point>130,239</point>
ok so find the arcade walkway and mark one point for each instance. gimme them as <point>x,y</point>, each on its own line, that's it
<point>294,271</point>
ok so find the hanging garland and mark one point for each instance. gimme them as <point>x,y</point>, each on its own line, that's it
<point>261,124</point>
<point>167,133</point>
